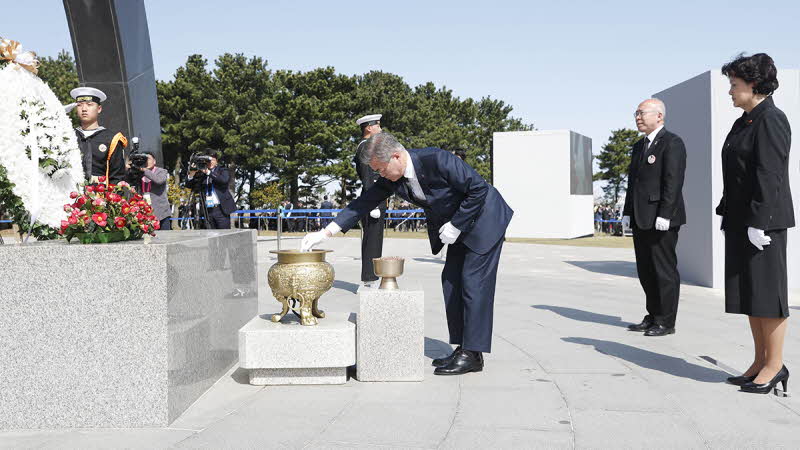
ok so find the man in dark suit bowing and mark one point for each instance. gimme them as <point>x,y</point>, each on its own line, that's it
<point>654,210</point>
<point>462,210</point>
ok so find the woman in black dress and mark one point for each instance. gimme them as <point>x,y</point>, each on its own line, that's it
<point>756,210</point>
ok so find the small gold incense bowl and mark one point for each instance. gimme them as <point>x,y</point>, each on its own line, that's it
<point>388,268</point>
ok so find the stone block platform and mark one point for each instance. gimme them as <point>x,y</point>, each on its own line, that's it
<point>120,335</point>
<point>287,352</point>
<point>391,335</point>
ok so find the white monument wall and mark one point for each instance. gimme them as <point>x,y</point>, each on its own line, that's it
<point>536,172</point>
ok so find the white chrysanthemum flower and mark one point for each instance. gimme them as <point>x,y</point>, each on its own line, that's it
<point>34,128</point>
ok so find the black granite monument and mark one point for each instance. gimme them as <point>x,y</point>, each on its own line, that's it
<point>112,52</point>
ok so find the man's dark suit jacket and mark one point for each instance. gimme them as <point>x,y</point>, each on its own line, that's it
<point>220,177</point>
<point>755,171</point>
<point>656,189</point>
<point>454,192</point>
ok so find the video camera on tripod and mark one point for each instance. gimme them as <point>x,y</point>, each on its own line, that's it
<point>199,162</point>
<point>137,157</point>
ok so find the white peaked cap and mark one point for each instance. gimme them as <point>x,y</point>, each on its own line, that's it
<point>369,118</point>
<point>83,91</point>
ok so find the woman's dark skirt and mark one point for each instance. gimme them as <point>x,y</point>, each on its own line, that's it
<point>756,281</point>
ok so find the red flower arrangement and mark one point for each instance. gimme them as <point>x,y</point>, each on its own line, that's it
<point>102,214</point>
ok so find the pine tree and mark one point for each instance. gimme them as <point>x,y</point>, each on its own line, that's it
<point>614,160</point>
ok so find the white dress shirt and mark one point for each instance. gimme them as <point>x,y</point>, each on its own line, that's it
<point>652,136</point>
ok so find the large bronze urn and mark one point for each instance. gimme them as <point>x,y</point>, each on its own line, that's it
<point>300,278</point>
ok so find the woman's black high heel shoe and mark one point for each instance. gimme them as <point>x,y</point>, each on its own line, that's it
<point>781,377</point>
<point>740,381</point>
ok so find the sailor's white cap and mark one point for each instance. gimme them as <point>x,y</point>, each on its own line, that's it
<point>80,93</point>
<point>369,120</point>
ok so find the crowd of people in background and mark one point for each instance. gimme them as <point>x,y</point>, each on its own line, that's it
<point>608,220</point>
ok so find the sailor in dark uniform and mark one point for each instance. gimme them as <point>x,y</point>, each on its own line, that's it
<point>372,224</point>
<point>101,149</point>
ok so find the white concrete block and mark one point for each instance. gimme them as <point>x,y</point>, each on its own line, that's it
<point>391,335</point>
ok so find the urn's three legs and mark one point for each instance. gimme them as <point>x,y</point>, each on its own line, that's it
<point>306,316</point>
<point>315,309</point>
<point>285,302</point>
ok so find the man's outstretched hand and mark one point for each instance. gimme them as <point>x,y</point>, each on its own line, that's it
<point>311,240</point>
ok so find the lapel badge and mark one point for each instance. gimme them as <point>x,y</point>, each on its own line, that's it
<point>651,159</point>
<point>102,148</point>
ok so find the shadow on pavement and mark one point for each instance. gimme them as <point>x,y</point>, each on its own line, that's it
<point>583,316</point>
<point>650,360</point>
<point>345,286</point>
<point>618,268</point>
<point>435,348</point>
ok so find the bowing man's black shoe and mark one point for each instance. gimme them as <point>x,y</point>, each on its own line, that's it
<point>740,380</point>
<point>647,322</point>
<point>441,362</point>
<point>781,377</point>
<point>465,361</point>
<point>659,330</point>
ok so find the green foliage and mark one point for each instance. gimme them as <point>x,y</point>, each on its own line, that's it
<point>13,205</point>
<point>61,76</point>
<point>427,116</point>
<point>613,161</point>
<point>267,196</point>
<point>177,195</point>
<point>298,128</point>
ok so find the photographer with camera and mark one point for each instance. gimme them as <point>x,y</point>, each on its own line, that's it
<point>151,183</point>
<point>211,180</point>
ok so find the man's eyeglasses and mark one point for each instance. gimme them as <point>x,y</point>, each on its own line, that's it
<point>641,113</point>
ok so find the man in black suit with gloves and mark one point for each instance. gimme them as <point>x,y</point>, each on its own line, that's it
<point>655,211</point>
<point>372,224</point>
<point>461,210</point>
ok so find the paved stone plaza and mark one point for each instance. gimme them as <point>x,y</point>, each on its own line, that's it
<point>564,372</point>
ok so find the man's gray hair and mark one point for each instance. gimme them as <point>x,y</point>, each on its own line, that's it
<point>381,146</point>
<point>659,106</point>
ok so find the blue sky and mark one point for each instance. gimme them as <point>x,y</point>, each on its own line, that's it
<point>581,65</point>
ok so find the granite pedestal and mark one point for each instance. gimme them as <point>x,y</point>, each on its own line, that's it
<point>390,342</point>
<point>290,353</point>
<point>120,335</point>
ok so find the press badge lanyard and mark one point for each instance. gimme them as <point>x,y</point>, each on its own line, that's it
<point>147,186</point>
<point>209,192</point>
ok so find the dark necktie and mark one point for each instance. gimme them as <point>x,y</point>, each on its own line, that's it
<point>646,147</point>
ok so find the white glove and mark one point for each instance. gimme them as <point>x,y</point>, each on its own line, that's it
<point>626,221</point>
<point>662,224</point>
<point>313,239</point>
<point>758,238</point>
<point>448,233</point>
<point>375,213</point>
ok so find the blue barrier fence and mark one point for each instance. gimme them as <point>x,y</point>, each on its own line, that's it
<point>292,213</point>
